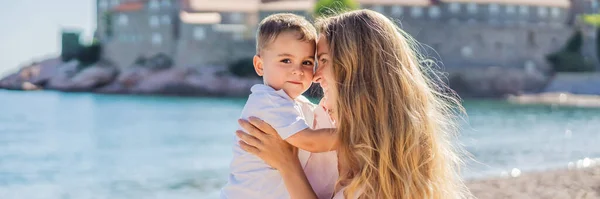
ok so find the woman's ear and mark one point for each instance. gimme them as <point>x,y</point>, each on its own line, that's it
<point>258,65</point>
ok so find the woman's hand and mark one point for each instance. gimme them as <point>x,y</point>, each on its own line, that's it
<point>264,142</point>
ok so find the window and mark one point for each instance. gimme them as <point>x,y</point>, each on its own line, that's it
<point>416,12</point>
<point>102,4</point>
<point>530,67</point>
<point>524,10</point>
<point>434,12</point>
<point>466,51</point>
<point>123,38</point>
<point>238,36</point>
<point>165,19</point>
<point>115,3</point>
<point>472,21</point>
<point>472,8</point>
<point>594,5</point>
<point>542,12</point>
<point>236,17</point>
<point>555,12</point>
<point>454,21</point>
<point>494,22</point>
<point>454,8</point>
<point>199,33</point>
<point>378,8</point>
<point>154,22</point>
<point>153,5</point>
<point>397,10</point>
<point>511,9</point>
<point>123,20</point>
<point>531,39</point>
<point>494,9</point>
<point>156,38</point>
<point>166,3</point>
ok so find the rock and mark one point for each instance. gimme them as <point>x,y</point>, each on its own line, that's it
<point>11,82</point>
<point>496,82</point>
<point>62,79</point>
<point>204,81</point>
<point>576,83</point>
<point>127,79</point>
<point>560,99</point>
<point>36,74</point>
<point>27,86</point>
<point>150,76</point>
<point>159,61</point>
<point>46,70</point>
<point>217,81</point>
<point>155,82</point>
<point>92,77</point>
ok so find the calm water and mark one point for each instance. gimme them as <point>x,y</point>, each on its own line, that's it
<point>64,145</point>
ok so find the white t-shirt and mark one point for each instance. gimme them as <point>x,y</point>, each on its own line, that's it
<point>249,176</point>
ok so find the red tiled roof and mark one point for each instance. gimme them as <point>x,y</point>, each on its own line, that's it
<point>278,5</point>
<point>129,6</point>
<point>552,3</point>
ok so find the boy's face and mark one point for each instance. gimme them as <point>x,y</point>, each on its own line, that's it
<point>287,63</point>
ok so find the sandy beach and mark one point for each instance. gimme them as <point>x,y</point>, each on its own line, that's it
<point>576,183</point>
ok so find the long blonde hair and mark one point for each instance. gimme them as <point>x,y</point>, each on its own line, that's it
<point>395,121</point>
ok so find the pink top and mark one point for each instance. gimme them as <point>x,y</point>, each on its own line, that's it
<point>321,168</point>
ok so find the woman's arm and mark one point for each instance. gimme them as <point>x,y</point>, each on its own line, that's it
<point>264,142</point>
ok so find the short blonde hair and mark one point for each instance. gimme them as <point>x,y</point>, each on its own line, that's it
<point>270,27</point>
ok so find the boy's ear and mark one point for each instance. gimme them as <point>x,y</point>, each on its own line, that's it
<point>258,65</point>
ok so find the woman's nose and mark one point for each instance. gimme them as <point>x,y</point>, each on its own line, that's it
<point>317,76</point>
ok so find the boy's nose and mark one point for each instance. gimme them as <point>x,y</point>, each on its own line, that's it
<point>298,70</point>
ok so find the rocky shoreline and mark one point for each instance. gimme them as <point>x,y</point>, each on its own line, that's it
<point>157,76</point>
<point>148,78</point>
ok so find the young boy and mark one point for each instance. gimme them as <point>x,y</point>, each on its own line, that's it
<point>285,59</point>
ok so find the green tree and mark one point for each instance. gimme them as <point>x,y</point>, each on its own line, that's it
<point>243,68</point>
<point>575,42</point>
<point>331,7</point>
<point>594,20</point>
<point>107,18</point>
<point>69,45</point>
<point>570,59</point>
<point>598,42</point>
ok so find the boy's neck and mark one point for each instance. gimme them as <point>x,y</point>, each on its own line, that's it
<point>293,98</point>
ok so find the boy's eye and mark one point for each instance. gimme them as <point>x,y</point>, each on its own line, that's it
<point>309,63</point>
<point>287,61</point>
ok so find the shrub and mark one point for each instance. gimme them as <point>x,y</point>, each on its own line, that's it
<point>243,68</point>
<point>331,7</point>
<point>570,59</point>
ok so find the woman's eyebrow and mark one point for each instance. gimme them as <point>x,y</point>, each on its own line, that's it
<point>320,54</point>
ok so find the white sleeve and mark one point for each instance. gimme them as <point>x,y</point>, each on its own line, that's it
<point>282,114</point>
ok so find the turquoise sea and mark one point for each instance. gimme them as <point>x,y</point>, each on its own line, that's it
<point>81,145</point>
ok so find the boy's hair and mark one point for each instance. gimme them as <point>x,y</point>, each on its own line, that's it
<point>270,27</point>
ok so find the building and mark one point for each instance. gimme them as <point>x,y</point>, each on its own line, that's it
<point>193,32</point>
<point>129,29</point>
<point>483,32</point>
<point>510,33</point>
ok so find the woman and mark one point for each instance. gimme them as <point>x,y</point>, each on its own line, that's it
<point>394,124</point>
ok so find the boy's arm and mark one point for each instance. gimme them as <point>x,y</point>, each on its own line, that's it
<point>314,141</point>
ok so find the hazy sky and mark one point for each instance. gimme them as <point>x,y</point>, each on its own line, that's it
<point>31,28</point>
